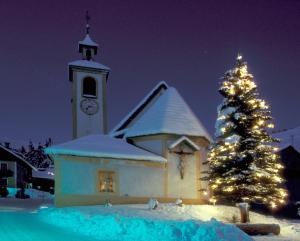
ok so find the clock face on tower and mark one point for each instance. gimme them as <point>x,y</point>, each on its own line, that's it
<point>89,106</point>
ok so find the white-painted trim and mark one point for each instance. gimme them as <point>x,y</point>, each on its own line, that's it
<point>117,133</point>
<point>182,139</point>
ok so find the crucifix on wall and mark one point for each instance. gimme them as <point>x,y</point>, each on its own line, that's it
<point>183,148</point>
<point>182,161</point>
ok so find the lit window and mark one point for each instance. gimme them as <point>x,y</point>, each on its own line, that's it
<point>89,88</point>
<point>106,181</point>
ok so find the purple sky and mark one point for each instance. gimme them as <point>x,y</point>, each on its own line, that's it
<point>189,44</point>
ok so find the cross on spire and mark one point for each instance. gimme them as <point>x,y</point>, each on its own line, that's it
<point>87,18</point>
<point>87,47</point>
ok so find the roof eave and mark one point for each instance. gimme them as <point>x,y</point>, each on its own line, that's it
<point>158,159</point>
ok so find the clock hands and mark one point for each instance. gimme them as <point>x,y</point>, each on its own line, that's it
<point>88,106</point>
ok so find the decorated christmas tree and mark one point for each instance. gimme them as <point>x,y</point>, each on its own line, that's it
<point>243,164</point>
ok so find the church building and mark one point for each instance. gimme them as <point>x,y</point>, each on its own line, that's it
<point>156,151</point>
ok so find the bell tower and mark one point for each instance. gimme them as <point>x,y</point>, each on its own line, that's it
<point>89,80</point>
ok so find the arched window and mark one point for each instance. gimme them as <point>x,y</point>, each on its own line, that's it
<point>89,88</point>
<point>88,54</point>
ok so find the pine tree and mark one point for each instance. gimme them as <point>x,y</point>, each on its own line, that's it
<point>243,164</point>
<point>36,156</point>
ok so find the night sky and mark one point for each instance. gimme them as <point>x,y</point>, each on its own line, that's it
<point>189,44</point>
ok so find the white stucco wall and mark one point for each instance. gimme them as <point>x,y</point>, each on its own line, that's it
<point>203,156</point>
<point>136,181</point>
<point>186,187</point>
<point>141,181</point>
<point>77,177</point>
<point>88,124</point>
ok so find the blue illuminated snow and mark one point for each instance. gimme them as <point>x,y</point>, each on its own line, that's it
<point>116,227</point>
<point>69,224</point>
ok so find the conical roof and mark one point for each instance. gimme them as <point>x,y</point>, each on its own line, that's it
<point>170,114</point>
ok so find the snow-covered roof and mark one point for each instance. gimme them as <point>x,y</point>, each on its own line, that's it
<point>88,41</point>
<point>18,156</point>
<point>121,127</point>
<point>88,64</point>
<point>184,139</point>
<point>170,114</point>
<point>103,146</point>
<point>47,173</point>
<point>15,144</point>
<point>289,137</point>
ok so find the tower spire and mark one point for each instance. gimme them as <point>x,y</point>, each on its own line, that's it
<point>87,19</point>
<point>87,47</point>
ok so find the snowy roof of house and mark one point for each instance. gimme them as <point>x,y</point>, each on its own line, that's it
<point>88,41</point>
<point>121,127</point>
<point>88,64</point>
<point>289,137</point>
<point>170,114</point>
<point>18,156</point>
<point>103,146</point>
<point>47,173</point>
<point>184,139</point>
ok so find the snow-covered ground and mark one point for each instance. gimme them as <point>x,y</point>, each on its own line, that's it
<point>33,193</point>
<point>133,222</point>
<point>290,230</point>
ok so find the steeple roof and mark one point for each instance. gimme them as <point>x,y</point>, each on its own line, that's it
<point>170,114</point>
<point>87,46</point>
<point>87,41</point>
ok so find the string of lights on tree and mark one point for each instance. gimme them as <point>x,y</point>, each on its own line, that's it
<point>243,162</point>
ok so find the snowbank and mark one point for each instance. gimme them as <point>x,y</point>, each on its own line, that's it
<point>117,227</point>
<point>167,222</point>
<point>33,193</point>
<point>171,212</point>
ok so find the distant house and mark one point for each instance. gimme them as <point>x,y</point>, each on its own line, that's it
<point>43,179</point>
<point>290,156</point>
<point>15,171</point>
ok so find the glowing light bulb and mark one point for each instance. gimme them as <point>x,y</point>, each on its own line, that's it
<point>260,122</point>
<point>243,71</point>
<point>213,200</point>
<point>231,91</point>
